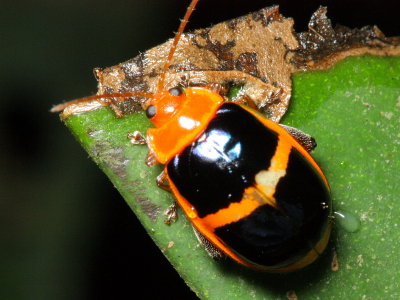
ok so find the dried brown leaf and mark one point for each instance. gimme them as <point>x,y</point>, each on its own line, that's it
<point>259,51</point>
<point>322,45</point>
<point>249,51</point>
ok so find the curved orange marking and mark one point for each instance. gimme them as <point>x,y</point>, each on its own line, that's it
<point>251,200</point>
<point>205,230</point>
<point>267,180</point>
<point>283,133</point>
<point>254,197</point>
<point>281,157</point>
<point>208,232</point>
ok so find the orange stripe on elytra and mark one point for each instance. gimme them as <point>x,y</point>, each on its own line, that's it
<point>281,157</point>
<point>235,211</point>
<point>255,196</point>
<point>205,230</point>
<point>282,132</point>
<point>267,180</point>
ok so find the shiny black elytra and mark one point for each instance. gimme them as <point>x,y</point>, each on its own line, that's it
<point>214,171</point>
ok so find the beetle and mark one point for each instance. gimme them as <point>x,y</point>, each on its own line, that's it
<point>247,184</point>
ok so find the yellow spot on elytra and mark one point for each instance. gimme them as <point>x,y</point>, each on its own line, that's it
<point>267,180</point>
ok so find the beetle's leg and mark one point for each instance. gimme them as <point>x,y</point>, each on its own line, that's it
<point>247,100</point>
<point>213,251</point>
<point>171,214</point>
<point>137,138</point>
<point>215,87</point>
<point>150,159</point>
<point>162,182</point>
<point>304,139</point>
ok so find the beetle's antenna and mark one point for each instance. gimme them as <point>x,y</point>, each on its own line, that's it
<point>103,99</point>
<point>178,35</point>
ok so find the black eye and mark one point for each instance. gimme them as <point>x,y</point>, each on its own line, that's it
<point>175,91</point>
<point>151,111</point>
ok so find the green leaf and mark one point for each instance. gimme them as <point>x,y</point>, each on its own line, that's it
<point>353,111</point>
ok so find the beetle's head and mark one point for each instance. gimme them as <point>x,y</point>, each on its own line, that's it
<point>163,106</point>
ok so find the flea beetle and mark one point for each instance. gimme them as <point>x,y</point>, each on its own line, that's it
<point>248,185</point>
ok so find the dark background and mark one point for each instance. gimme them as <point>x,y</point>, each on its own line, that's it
<point>65,233</point>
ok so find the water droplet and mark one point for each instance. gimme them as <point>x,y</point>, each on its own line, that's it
<point>348,221</point>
